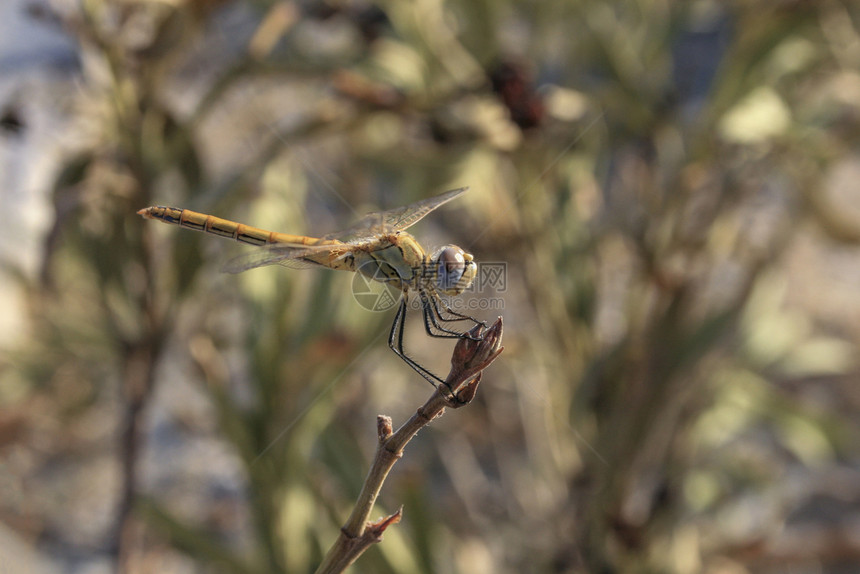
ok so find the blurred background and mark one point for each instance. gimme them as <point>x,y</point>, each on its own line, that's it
<point>670,188</point>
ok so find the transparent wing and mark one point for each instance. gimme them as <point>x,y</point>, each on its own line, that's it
<point>403,217</point>
<point>287,254</point>
<point>397,219</point>
<point>368,228</point>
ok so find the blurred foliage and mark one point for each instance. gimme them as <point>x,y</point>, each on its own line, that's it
<point>657,178</point>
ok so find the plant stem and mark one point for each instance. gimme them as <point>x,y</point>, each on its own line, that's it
<point>471,356</point>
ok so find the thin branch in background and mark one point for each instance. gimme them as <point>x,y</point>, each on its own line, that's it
<point>470,358</point>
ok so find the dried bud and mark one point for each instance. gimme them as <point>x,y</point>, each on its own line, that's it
<point>472,355</point>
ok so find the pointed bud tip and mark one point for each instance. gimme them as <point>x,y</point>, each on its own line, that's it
<point>378,527</point>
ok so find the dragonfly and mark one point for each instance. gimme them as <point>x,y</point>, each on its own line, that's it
<point>377,246</point>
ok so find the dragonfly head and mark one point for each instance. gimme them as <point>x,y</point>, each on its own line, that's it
<point>453,270</point>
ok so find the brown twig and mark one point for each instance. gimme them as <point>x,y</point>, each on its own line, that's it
<point>471,356</point>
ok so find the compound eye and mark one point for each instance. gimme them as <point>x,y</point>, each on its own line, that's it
<point>451,266</point>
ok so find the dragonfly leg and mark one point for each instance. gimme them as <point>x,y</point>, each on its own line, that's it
<point>395,342</point>
<point>433,318</point>
<point>458,316</point>
<point>437,302</point>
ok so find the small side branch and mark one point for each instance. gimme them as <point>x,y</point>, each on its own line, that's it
<point>471,356</point>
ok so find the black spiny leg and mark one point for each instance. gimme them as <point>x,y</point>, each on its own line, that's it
<point>395,342</point>
<point>437,301</point>
<point>433,317</point>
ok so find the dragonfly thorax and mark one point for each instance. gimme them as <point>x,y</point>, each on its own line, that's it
<point>451,270</point>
